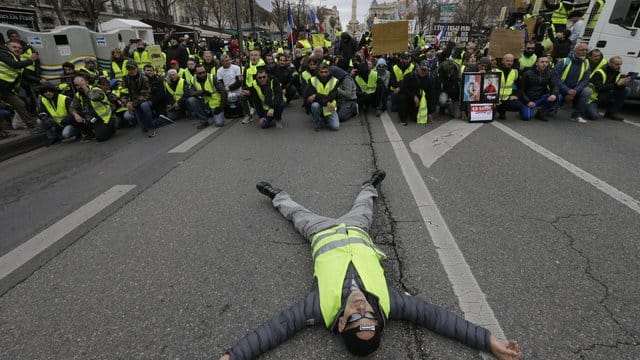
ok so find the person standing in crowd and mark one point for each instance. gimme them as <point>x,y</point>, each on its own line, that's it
<point>610,89</point>
<point>304,44</point>
<point>118,64</point>
<point>91,71</point>
<point>321,95</point>
<point>573,74</point>
<point>561,45</point>
<point>267,97</point>
<point>206,89</point>
<point>539,91</point>
<point>383,78</point>
<point>11,68</point>
<point>139,91</point>
<point>418,89</point>
<point>508,80</point>
<point>53,114</point>
<point>346,96</point>
<point>346,49</point>
<point>141,54</point>
<point>91,111</point>
<point>177,52</point>
<point>31,75</point>
<point>576,26</point>
<point>560,13</point>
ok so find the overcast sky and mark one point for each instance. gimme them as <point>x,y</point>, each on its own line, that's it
<point>344,8</point>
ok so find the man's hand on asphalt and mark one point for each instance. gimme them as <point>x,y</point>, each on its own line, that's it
<point>505,350</point>
<point>226,357</point>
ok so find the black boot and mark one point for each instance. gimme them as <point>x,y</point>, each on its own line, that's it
<point>376,178</point>
<point>266,189</point>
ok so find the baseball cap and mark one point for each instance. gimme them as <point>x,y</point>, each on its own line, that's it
<point>424,64</point>
<point>358,346</point>
<point>132,64</point>
<point>405,55</point>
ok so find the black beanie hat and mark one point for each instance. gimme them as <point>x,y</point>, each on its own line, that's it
<point>360,347</point>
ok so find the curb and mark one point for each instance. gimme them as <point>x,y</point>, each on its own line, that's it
<point>21,145</point>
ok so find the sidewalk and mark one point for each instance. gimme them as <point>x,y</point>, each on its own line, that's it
<point>20,142</point>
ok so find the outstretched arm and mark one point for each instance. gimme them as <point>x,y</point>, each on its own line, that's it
<point>278,329</point>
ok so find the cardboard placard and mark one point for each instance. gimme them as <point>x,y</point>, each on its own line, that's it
<point>480,112</point>
<point>390,37</point>
<point>506,41</point>
<point>157,60</point>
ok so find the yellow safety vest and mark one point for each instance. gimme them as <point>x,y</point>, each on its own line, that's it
<point>401,74</point>
<point>26,55</point>
<point>187,75</point>
<point>178,92</point>
<point>370,86</point>
<point>118,93</point>
<point>119,72</point>
<point>261,95</point>
<point>102,108</point>
<point>423,111</point>
<point>507,85</point>
<point>9,74</point>
<point>559,16</point>
<point>327,43</point>
<point>527,62</point>
<point>251,71</point>
<point>142,59</point>
<point>333,250</point>
<point>325,90</point>
<point>594,20</point>
<point>565,73</point>
<point>213,100</point>
<point>306,76</point>
<point>600,65</point>
<point>306,46</point>
<point>58,111</point>
<point>594,93</point>
<point>459,61</point>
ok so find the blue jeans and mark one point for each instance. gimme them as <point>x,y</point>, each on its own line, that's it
<point>579,102</point>
<point>203,112</point>
<point>54,131</point>
<point>277,114</point>
<point>611,101</point>
<point>125,119</point>
<point>527,113</point>
<point>333,122</point>
<point>144,114</point>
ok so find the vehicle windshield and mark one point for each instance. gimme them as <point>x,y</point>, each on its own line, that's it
<point>625,13</point>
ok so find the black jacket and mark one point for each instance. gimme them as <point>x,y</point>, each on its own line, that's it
<point>307,312</point>
<point>413,83</point>
<point>607,86</point>
<point>320,99</point>
<point>179,53</point>
<point>7,57</point>
<point>534,84</point>
<point>272,98</point>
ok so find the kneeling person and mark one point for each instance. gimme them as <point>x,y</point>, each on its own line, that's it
<point>321,96</point>
<point>54,118</point>
<point>91,110</point>
<point>267,97</point>
<point>208,98</point>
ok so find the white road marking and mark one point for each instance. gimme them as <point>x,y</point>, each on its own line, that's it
<point>432,145</point>
<point>194,140</point>
<point>470,297</point>
<point>19,256</point>
<point>616,194</point>
<point>631,123</point>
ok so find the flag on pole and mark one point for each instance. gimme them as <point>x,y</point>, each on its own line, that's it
<point>290,22</point>
<point>313,17</point>
<point>440,36</point>
<point>265,4</point>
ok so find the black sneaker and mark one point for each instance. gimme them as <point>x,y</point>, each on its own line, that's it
<point>266,189</point>
<point>376,178</point>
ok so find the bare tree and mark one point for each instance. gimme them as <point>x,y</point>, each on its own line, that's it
<point>223,12</point>
<point>477,12</point>
<point>426,12</point>
<point>279,14</point>
<point>92,9</point>
<point>198,10</point>
<point>57,8</point>
<point>164,8</point>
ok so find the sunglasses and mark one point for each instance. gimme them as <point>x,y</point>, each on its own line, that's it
<point>357,316</point>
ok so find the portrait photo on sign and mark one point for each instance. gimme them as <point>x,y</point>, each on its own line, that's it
<point>471,87</point>
<point>490,87</point>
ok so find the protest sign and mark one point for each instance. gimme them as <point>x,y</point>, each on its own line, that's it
<point>390,37</point>
<point>452,29</point>
<point>506,41</point>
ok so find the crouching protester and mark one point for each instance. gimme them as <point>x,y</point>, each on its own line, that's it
<point>418,95</point>
<point>346,96</point>
<point>266,95</point>
<point>54,117</point>
<point>321,95</point>
<point>91,111</point>
<point>539,91</point>
<point>609,90</point>
<point>208,99</point>
<point>180,102</point>
<point>118,98</point>
<point>350,294</point>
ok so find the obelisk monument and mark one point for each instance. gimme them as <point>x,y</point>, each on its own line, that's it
<point>352,27</point>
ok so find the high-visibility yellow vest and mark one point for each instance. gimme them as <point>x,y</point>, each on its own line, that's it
<point>325,90</point>
<point>327,43</point>
<point>142,58</point>
<point>559,15</point>
<point>261,95</point>
<point>507,85</point>
<point>178,92</point>
<point>527,62</point>
<point>594,93</point>
<point>368,87</point>
<point>567,66</point>
<point>306,76</point>
<point>102,108</point>
<point>600,65</point>
<point>594,20</point>
<point>333,250</point>
<point>401,74</point>
<point>306,46</point>
<point>26,55</point>
<point>7,73</point>
<point>251,72</point>
<point>119,92</point>
<point>58,111</point>
<point>187,75</point>
<point>119,72</point>
<point>459,60</point>
<point>423,111</point>
<point>212,100</point>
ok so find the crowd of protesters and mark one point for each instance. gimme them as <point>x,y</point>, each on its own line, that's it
<point>213,80</point>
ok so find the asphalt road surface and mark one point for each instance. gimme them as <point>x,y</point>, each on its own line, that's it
<point>162,248</point>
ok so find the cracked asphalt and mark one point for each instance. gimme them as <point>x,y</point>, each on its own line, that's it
<point>196,257</point>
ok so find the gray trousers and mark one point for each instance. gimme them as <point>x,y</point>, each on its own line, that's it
<point>308,223</point>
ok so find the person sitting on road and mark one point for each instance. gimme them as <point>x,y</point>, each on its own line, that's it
<point>610,89</point>
<point>321,95</point>
<point>384,76</point>
<point>91,111</point>
<point>418,95</point>
<point>572,74</point>
<point>267,97</point>
<point>539,91</point>
<point>206,91</point>
<point>508,84</point>
<point>403,68</point>
<point>118,64</point>
<point>139,91</point>
<point>284,74</point>
<point>368,89</point>
<point>230,76</point>
<point>54,117</point>
<point>179,100</point>
<point>91,71</point>
<point>254,62</point>
<point>346,96</point>
<point>350,294</point>
<point>65,86</point>
<point>190,72</point>
<point>118,98</point>
<point>308,71</point>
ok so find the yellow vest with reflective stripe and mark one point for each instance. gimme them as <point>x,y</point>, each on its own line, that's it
<point>57,112</point>
<point>397,71</point>
<point>583,69</point>
<point>506,85</point>
<point>306,76</point>
<point>333,250</point>
<point>261,95</point>
<point>119,72</point>
<point>459,60</point>
<point>325,90</point>
<point>594,20</point>
<point>178,92</point>
<point>423,111</point>
<point>251,71</point>
<point>7,73</point>
<point>306,46</point>
<point>119,92</point>
<point>187,75</point>
<point>26,55</point>
<point>142,59</point>
<point>600,65</point>
<point>527,62</point>
<point>594,93</point>
<point>370,86</point>
<point>102,108</point>
<point>559,16</point>
<point>214,100</point>
<point>327,43</point>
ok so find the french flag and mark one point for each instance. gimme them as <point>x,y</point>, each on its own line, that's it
<point>440,36</point>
